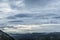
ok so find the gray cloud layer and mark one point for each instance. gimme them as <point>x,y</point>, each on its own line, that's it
<point>29,12</point>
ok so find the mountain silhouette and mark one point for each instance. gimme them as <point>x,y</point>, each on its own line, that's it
<point>5,36</point>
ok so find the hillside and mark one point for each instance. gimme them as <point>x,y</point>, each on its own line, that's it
<point>4,36</point>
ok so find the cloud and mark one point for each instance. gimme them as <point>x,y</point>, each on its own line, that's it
<point>33,19</point>
<point>30,12</point>
<point>23,15</point>
<point>11,17</point>
<point>17,21</point>
<point>20,28</point>
<point>27,12</point>
<point>46,28</point>
<point>33,28</point>
<point>4,7</point>
<point>36,3</point>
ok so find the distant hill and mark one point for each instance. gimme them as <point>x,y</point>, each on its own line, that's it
<point>4,36</point>
<point>37,36</point>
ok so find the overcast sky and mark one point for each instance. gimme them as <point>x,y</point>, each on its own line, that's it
<point>13,12</point>
<point>28,12</point>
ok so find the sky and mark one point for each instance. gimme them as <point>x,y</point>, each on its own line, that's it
<point>29,12</point>
<point>43,28</point>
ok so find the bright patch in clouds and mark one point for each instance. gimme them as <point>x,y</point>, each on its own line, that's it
<point>4,7</point>
<point>33,28</point>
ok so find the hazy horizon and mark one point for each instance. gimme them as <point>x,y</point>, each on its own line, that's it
<point>47,28</point>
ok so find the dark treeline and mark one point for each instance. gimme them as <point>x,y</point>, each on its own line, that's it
<point>30,36</point>
<point>38,36</point>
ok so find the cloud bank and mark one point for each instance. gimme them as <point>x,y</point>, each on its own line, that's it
<point>32,28</point>
<point>29,12</point>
